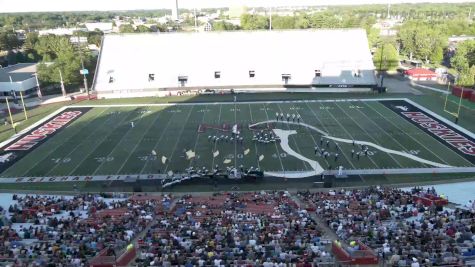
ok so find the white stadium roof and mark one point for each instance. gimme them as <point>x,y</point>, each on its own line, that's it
<point>127,60</point>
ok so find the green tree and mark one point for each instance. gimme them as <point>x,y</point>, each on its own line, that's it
<point>254,22</point>
<point>126,28</point>
<point>224,26</point>
<point>60,54</point>
<point>9,41</point>
<point>373,37</point>
<point>386,57</point>
<point>302,21</point>
<point>464,62</point>
<point>466,77</point>
<point>283,22</point>
<point>142,28</point>
<point>422,41</point>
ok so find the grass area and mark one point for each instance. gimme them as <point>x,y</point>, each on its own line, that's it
<point>34,114</point>
<point>103,142</point>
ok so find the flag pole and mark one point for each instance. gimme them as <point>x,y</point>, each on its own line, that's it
<point>10,113</point>
<point>62,84</point>
<point>40,95</point>
<point>24,107</point>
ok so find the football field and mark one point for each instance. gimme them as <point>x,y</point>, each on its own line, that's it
<point>357,135</point>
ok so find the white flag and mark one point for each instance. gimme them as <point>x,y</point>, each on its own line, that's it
<point>154,152</point>
<point>216,153</point>
<point>261,157</point>
<point>247,151</point>
<point>235,131</point>
<point>190,154</point>
<point>227,161</point>
<point>164,159</point>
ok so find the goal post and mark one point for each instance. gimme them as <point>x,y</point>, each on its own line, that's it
<point>456,113</point>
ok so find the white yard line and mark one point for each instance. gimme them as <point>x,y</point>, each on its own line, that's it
<point>50,152</point>
<point>138,143</point>
<point>315,141</point>
<point>197,137</point>
<point>410,136</point>
<point>275,143</point>
<point>284,143</point>
<point>323,126</point>
<point>384,132</point>
<point>158,141</point>
<point>118,144</point>
<point>390,151</point>
<point>235,141</point>
<point>178,140</point>
<point>295,142</point>
<point>348,133</point>
<point>232,103</point>
<point>100,142</point>
<point>255,145</point>
<point>387,150</point>
<point>371,137</point>
<point>78,144</point>
<point>215,143</point>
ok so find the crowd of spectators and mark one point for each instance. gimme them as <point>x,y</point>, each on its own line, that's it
<point>249,229</point>
<point>403,231</point>
<point>240,229</point>
<point>69,231</point>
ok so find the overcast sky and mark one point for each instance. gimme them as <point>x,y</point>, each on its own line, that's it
<point>77,5</point>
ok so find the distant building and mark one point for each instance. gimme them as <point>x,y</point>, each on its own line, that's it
<point>457,39</point>
<point>207,27</point>
<point>236,11</point>
<point>78,40</point>
<point>21,35</point>
<point>58,31</point>
<point>175,14</point>
<point>420,74</point>
<point>105,27</point>
<point>22,80</point>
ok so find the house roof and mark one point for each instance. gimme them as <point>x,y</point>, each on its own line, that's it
<point>19,72</point>
<point>420,72</point>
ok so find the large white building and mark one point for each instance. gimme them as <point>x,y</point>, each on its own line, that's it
<point>248,59</point>
<point>18,78</point>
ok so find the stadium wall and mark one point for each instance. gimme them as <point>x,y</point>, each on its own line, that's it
<point>316,60</point>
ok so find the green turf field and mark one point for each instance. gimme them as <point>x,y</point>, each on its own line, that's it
<point>103,142</point>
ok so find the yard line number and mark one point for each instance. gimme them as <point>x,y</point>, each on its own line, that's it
<point>282,155</point>
<point>61,160</point>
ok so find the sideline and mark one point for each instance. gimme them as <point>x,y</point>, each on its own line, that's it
<point>430,88</point>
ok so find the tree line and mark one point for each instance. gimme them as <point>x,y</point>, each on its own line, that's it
<point>422,36</point>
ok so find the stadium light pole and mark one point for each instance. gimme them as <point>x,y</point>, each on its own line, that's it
<point>196,23</point>
<point>381,64</point>
<point>270,18</point>
<point>82,65</point>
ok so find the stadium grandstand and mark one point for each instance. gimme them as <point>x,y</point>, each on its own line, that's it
<point>157,64</point>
